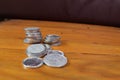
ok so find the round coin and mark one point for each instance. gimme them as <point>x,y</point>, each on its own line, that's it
<point>32,30</point>
<point>36,50</point>
<point>55,60</point>
<point>32,62</point>
<point>33,35</point>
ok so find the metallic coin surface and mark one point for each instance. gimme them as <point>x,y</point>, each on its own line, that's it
<point>52,38</point>
<point>55,60</point>
<point>32,62</point>
<point>33,35</point>
<point>32,29</point>
<point>36,50</point>
<point>55,52</point>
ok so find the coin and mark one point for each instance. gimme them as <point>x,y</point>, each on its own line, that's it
<point>55,52</point>
<point>32,62</point>
<point>55,60</point>
<point>34,29</point>
<point>36,50</point>
<point>51,39</point>
<point>33,35</point>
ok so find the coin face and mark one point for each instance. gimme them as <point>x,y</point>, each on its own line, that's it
<point>55,60</point>
<point>55,52</point>
<point>32,62</point>
<point>36,50</point>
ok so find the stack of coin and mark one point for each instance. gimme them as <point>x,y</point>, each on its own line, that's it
<point>52,39</point>
<point>36,50</point>
<point>33,35</point>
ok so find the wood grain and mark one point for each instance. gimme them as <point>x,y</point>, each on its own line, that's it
<point>93,51</point>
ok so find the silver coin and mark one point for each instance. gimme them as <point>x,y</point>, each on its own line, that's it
<point>55,52</point>
<point>32,29</point>
<point>55,60</point>
<point>35,54</point>
<point>33,35</point>
<point>52,38</point>
<point>32,62</point>
<point>36,50</point>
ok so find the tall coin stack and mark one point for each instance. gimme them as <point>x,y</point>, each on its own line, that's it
<point>33,35</point>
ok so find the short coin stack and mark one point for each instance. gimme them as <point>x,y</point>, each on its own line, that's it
<point>52,39</point>
<point>43,53</point>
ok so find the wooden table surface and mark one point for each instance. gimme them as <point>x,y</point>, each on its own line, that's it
<point>93,51</point>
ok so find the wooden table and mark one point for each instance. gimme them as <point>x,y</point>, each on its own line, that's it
<point>93,51</point>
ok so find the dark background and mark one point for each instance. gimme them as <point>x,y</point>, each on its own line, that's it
<point>103,12</point>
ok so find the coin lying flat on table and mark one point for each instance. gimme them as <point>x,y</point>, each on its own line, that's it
<point>55,60</point>
<point>32,62</point>
<point>36,50</point>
